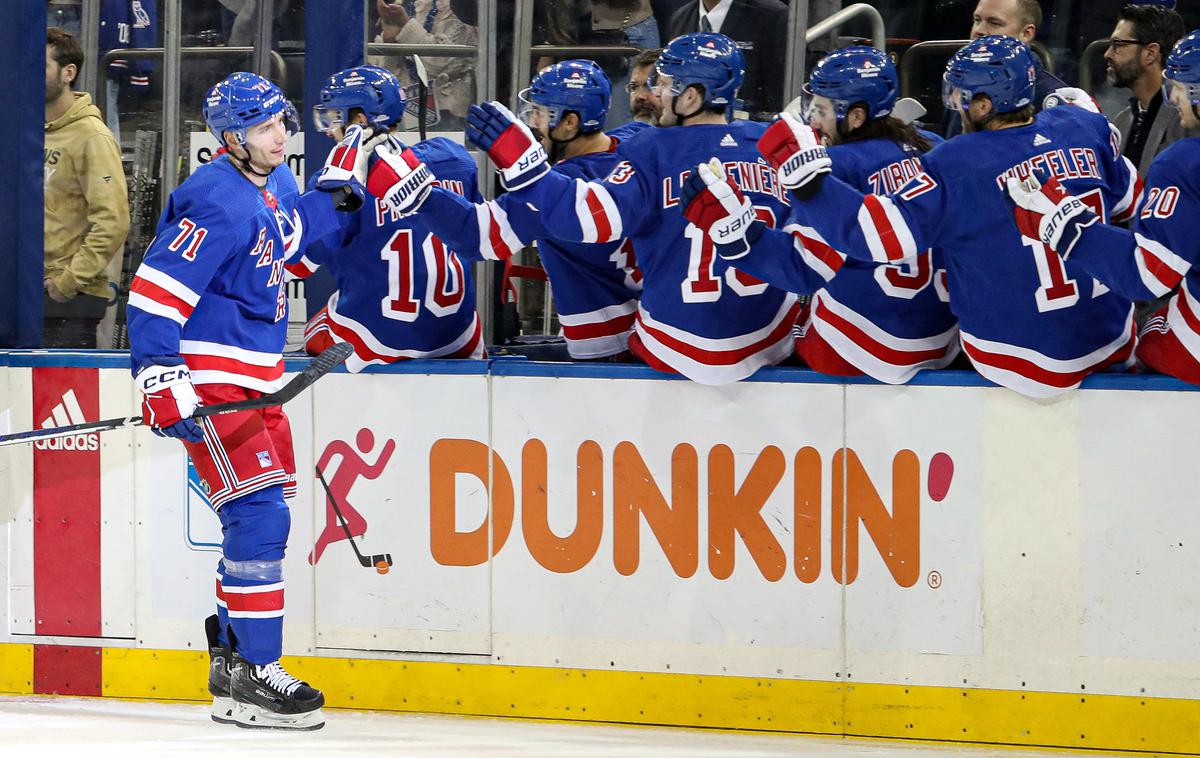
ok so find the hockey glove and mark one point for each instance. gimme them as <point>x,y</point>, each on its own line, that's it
<point>1047,212</point>
<point>794,150</point>
<point>1070,96</point>
<point>399,178</point>
<point>713,203</point>
<point>345,172</point>
<point>509,143</point>
<point>168,401</point>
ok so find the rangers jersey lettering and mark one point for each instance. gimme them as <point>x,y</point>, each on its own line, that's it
<point>887,320</point>
<point>697,315</point>
<point>1160,251</point>
<point>211,289</point>
<point>1024,322</point>
<point>402,292</point>
<point>596,286</point>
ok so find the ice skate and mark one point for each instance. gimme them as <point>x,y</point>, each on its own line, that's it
<point>218,674</point>
<point>268,697</point>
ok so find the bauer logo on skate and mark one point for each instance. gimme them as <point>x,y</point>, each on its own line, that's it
<point>674,510</point>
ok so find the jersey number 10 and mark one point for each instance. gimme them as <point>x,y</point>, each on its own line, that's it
<point>444,287</point>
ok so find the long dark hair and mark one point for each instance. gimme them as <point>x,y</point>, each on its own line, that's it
<point>888,128</point>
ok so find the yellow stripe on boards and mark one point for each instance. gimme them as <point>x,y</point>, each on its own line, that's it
<point>155,674</point>
<point>1037,719</point>
<point>1042,719</point>
<point>16,669</point>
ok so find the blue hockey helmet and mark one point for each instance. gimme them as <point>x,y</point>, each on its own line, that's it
<point>853,75</point>
<point>579,86</point>
<point>710,60</point>
<point>1181,76</point>
<point>241,100</point>
<point>374,90</point>
<point>1000,67</point>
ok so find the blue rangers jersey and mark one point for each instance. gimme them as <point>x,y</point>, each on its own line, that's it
<point>402,292</point>
<point>211,290</point>
<point>596,286</point>
<point>888,321</point>
<point>1160,251</point>
<point>697,315</point>
<point>1024,322</point>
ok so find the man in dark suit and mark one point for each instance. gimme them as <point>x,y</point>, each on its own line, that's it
<point>760,28</point>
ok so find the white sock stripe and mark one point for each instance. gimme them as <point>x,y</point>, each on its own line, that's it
<point>253,589</point>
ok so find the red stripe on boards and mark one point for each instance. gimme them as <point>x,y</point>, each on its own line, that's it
<point>67,670</point>
<point>66,505</point>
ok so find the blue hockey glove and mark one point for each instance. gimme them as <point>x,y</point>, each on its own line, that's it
<point>509,143</point>
<point>713,203</point>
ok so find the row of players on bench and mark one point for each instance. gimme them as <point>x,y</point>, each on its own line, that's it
<point>688,247</point>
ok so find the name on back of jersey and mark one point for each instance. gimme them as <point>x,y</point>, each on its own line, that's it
<point>756,177</point>
<point>1075,163</point>
<point>385,215</point>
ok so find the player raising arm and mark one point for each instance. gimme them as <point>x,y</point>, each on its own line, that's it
<point>697,316</point>
<point>887,321</point>
<point>596,286</point>
<point>1160,251</point>
<point>1024,322</point>
<point>207,322</point>
<point>402,292</point>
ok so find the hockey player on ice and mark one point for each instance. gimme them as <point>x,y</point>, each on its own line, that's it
<point>402,292</point>
<point>1024,322</point>
<point>207,322</point>
<point>1159,253</point>
<point>887,321</point>
<point>597,285</point>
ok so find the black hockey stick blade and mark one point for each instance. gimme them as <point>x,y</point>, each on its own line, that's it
<point>327,361</point>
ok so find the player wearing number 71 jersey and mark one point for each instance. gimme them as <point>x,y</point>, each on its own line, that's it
<point>1024,322</point>
<point>1160,251</point>
<point>697,315</point>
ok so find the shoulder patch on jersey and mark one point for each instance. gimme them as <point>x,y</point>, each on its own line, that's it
<point>1039,140</point>
<point>728,141</point>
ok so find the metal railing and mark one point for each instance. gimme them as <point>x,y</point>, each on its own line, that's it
<point>278,67</point>
<point>797,49</point>
<point>825,26</point>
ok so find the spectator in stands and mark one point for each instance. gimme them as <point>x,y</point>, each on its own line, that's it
<point>603,22</point>
<point>86,205</point>
<point>644,105</point>
<point>1014,18</point>
<point>430,22</point>
<point>1140,43</point>
<point>760,29</point>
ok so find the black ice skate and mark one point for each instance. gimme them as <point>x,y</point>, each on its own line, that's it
<point>268,697</point>
<point>218,674</point>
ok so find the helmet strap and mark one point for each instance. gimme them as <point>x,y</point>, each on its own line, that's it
<point>244,163</point>
<point>680,118</point>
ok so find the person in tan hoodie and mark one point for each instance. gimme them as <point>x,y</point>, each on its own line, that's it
<point>86,202</point>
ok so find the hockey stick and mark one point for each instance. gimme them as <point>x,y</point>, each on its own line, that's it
<point>381,562</point>
<point>320,366</point>
<point>422,95</point>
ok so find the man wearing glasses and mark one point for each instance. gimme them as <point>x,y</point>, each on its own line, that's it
<point>1141,41</point>
<point>644,105</point>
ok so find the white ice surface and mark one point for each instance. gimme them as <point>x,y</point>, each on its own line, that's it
<point>78,727</point>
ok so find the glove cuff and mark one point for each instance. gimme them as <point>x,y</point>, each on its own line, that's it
<point>1060,229</point>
